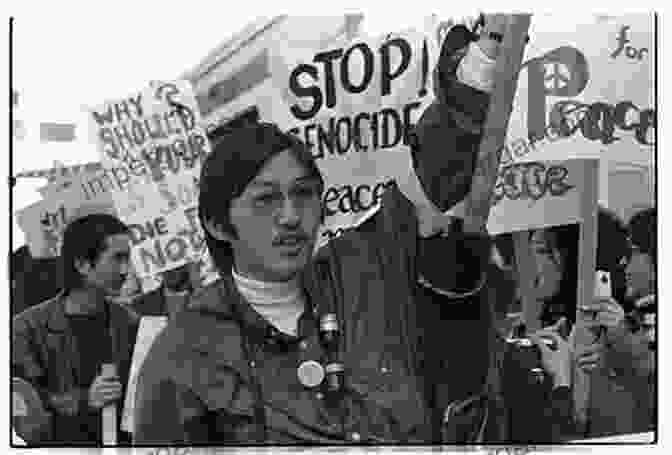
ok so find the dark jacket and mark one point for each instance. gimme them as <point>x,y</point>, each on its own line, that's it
<point>152,303</point>
<point>156,303</point>
<point>45,354</point>
<point>621,399</point>
<point>198,377</point>
<point>475,361</point>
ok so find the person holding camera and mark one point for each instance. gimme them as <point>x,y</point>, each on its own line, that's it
<point>620,360</point>
<point>515,388</point>
<point>612,365</point>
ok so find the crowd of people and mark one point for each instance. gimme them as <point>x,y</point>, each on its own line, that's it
<point>392,333</point>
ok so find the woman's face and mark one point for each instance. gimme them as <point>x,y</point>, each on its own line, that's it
<point>549,264</point>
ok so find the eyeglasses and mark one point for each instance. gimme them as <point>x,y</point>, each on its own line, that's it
<point>269,200</point>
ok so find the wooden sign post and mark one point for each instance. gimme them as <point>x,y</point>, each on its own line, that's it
<point>526,269</point>
<point>586,283</point>
<point>507,68</point>
<point>109,414</point>
<point>149,329</point>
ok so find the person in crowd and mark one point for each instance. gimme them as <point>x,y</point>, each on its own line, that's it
<point>527,382</point>
<point>288,347</point>
<point>555,253</point>
<point>169,298</point>
<point>618,397</point>
<point>641,291</point>
<point>640,264</point>
<point>60,345</point>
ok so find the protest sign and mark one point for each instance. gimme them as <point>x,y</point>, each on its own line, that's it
<point>586,91</point>
<point>150,327</point>
<point>152,147</point>
<point>540,194</point>
<point>353,104</point>
<point>43,222</point>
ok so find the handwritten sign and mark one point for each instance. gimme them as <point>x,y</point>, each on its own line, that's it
<point>43,223</point>
<point>354,104</point>
<point>150,327</point>
<point>586,91</point>
<point>536,195</point>
<point>152,149</point>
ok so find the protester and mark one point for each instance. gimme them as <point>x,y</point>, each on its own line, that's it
<point>619,391</point>
<point>246,361</point>
<point>527,394</point>
<point>555,255</point>
<point>528,384</point>
<point>642,259</point>
<point>555,252</point>
<point>641,289</point>
<point>169,298</point>
<point>59,345</point>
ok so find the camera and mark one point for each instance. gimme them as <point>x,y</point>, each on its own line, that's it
<point>527,356</point>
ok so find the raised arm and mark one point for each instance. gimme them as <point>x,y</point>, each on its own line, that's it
<point>446,139</point>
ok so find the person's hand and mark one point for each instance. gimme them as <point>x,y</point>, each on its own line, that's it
<point>588,357</point>
<point>602,312</point>
<point>104,390</point>
<point>556,362</point>
<point>494,23</point>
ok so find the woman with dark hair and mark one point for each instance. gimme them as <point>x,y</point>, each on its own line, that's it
<point>555,253</point>
<point>616,401</point>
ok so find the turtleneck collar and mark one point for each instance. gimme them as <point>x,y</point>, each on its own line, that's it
<point>280,303</point>
<point>266,293</point>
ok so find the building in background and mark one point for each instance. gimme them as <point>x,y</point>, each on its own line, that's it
<point>234,76</point>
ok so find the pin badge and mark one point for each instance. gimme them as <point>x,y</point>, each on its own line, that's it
<point>311,373</point>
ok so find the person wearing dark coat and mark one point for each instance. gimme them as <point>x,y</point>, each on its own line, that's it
<point>289,348</point>
<point>60,345</point>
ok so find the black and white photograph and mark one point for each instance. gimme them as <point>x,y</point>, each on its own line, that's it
<point>353,231</point>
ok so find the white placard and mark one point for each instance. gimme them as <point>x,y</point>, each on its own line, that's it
<point>150,327</point>
<point>152,145</point>
<point>534,195</point>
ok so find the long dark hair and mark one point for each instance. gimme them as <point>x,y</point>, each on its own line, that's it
<point>611,247</point>
<point>564,239</point>
<point>238,154</point>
